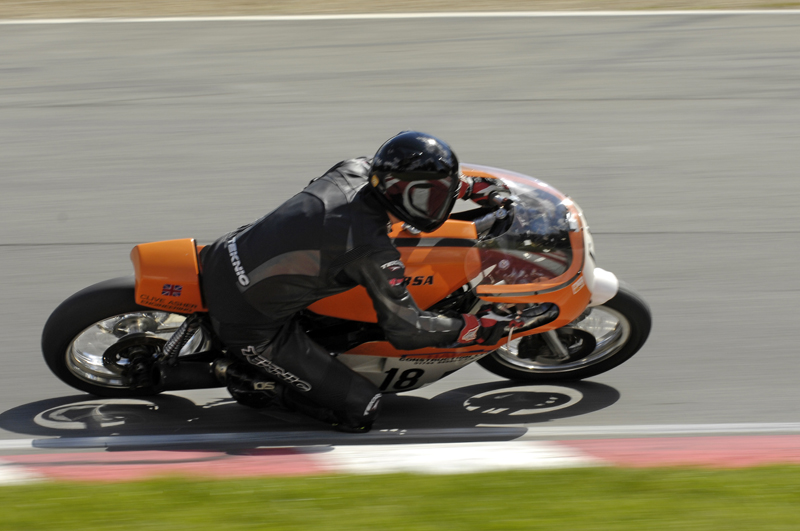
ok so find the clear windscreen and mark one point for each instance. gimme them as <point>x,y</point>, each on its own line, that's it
<point>535,248</point>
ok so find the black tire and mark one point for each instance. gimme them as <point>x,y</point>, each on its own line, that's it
<point>527,360</point>
<point>78,314</point>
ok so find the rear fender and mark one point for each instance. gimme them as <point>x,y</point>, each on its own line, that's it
<point>168,276</point>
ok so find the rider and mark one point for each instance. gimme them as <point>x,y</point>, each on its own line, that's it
<point>325,240</point>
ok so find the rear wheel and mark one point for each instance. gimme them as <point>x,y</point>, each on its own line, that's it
<point>602,338</point>
<point>101,342</point>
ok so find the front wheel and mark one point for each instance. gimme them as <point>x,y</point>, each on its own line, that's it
<point>599,340</point>
<point>101,342</point>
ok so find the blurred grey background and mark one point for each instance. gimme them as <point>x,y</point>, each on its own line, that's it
<point>678,135</point>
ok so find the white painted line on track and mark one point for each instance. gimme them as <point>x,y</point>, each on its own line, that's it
<point>400,16</point>
<point>16,444</point>
<point>462,458</point>
<point>11,474</point>
<point>663,429</point>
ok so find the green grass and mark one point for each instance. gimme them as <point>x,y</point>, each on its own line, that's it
<point>582,499</point>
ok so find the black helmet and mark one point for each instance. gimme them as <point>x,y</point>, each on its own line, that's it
<point>415,176</point>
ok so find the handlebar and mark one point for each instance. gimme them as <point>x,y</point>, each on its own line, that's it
<point>503,203</point>
<point>498,199</point>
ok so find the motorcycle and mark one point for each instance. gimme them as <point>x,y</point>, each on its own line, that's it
<point>532,256</point>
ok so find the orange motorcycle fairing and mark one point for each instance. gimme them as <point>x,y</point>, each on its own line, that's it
<point>568,291</point>
<point>439,355</point>
<point>383,349</point>
<point>437,264</point>
<point>168,276</point>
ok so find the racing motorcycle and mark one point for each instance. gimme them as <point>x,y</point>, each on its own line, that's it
<point>531,256</point>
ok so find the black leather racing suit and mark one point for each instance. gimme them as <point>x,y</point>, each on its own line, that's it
<point>325,240</point>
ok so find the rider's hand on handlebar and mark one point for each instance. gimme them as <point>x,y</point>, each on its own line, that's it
<point>486,328</point>
<point>488,192</point>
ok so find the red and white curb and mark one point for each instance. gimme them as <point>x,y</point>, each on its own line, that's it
<point>448,458</point>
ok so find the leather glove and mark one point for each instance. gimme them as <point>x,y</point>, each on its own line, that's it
<point>487,192</point>
<point>487,328</point>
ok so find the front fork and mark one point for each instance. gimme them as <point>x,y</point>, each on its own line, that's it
<point>555,345</point>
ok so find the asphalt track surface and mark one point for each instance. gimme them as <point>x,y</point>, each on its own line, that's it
<point>677,134</point>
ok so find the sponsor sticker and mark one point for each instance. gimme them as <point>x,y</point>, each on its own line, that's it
<point>167,304</point>
<point>578,285</point>
<point>171,290</point>
<point>441,359</point>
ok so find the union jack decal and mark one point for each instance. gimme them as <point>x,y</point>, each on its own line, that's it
<point>171,290</point>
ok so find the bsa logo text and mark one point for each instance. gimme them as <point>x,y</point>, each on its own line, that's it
<point>418,281</point>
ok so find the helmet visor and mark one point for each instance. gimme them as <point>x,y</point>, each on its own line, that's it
<point>424,204</point>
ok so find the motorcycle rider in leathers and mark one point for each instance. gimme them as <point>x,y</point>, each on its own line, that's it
<point>327,239</point>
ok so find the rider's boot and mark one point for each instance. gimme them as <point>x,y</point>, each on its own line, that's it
<point>294,401</point>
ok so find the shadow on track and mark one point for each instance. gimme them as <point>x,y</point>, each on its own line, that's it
<point>491,411</point>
